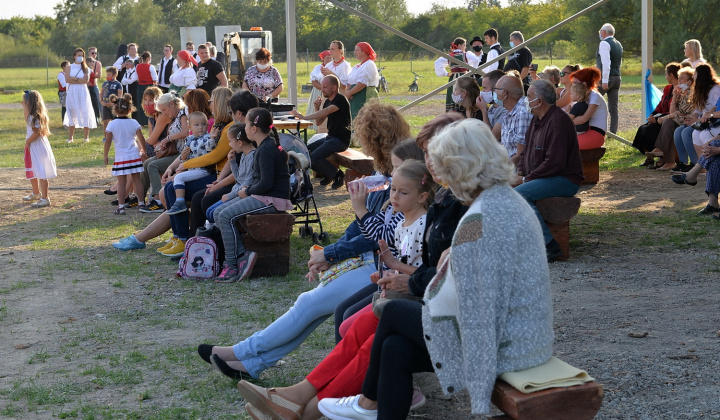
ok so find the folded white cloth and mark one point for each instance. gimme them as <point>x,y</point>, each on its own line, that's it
<point>552,374</point>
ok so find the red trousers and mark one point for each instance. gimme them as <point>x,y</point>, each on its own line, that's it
<point>342,372</point>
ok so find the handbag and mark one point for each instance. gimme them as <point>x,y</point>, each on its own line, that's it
<point>179,90</point>
<point>169,150</point>
<point>710,123</point>
<point>379,301</point>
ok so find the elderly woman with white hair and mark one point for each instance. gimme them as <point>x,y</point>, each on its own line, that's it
<point>487,311</point>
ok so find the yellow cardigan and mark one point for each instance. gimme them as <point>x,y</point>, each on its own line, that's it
<point>217,157</point>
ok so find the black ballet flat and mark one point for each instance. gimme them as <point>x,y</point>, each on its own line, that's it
<point>226,370</point>
<point>205,351</point>
<point>110,192</point>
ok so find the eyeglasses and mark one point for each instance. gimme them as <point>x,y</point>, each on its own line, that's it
<point>93,53</point>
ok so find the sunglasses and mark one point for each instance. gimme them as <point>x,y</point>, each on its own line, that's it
<point>562,73</point>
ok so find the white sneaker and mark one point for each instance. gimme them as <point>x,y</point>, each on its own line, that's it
<point>43,202</point>
<point>346,408</point>
<point>31,197</point>
<point>418,399</point>
<point>87,140</point>
<point>69,141</point>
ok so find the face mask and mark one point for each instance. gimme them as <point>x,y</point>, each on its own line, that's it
<point>149,109</point>
<point>263,66</point>
<point>78,59</point>
<point>601,37</point>
<point>527,104</point>
<point>110,78</point>
<point>477,48</point>
<point>487,97</point>
<point>457,98</point>
<point>512,44</point>
<point>683,86</point>
<point>496,99</point>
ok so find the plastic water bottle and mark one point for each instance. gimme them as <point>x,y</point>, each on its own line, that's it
<point>375,182</point>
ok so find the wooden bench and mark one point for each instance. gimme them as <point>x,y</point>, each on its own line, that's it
<point>269,236</point>
<point>557,212</point>
<point>580,402</point>
<point>591,164</point>
<point>356,162</point>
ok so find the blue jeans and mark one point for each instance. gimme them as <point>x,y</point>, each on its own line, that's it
<point>537,189</point>
<point>684,144</point>
<point>180,223</point>
<point>264,348</point>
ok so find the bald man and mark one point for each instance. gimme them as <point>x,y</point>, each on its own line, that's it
<point>510,92</point>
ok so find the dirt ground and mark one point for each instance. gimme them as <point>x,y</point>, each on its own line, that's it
<point>641,317</point>
<point>667,295</point>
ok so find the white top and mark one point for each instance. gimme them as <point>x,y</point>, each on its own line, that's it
<point>162,65</point>
<point>122,59</point>
<point>604,51</point>
<point>600,116</point>
<point>443,62</point>
<point>61,79</point>
<point>365,73</point>
<point>491,55</point>
<point>133,77</point>
<point>712,100</point>
<point>316,75</point>
<point>130,77</point>
<point>342,70</point>
<point>76,70</point>
<point>184,77</point>
<point>123,131</point>
<point>697,62</point>
<point>409,241</point>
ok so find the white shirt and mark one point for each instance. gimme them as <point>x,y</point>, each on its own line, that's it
<point>130,77</point>
<point>61,79</point>
<point>316,75</point>
<point>604,51</point>
<point>490,56</point>
<point>123,131</point>
<point>341,70</point>
<point>164,60</point>
<point>184,77</point>
<point>443,62</point>
<point>365,73</point>
<point>121,60</point>
<point>600,116</point>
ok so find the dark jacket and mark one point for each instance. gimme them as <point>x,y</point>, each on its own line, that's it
<point>271,177</point>
<point>442,219</point>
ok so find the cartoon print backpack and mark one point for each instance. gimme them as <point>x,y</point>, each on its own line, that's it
<point>200,260</point>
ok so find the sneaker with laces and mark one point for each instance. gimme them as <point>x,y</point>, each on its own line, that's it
<point>31,197</point>
<point>129,243</point>
<point>178,207</point>
<point>708,210</point>
<point>43,202</point>
<point>169,244</point>
<point>132,202</point>
<point>346,408</point>
<point>228,274</point>
<point>178,248</point>
<point>152,207</point>
<point>119,210</point>
<point>245,264</point>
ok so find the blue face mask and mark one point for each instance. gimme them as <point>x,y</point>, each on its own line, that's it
<point>512,44</point>
<point>495,99</point>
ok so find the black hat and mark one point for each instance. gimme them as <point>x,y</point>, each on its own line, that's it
<point>477,38</point>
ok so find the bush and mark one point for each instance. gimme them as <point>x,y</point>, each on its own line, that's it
<point>33,55</point>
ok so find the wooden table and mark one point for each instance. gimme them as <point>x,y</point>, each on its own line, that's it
<point>298,126</point>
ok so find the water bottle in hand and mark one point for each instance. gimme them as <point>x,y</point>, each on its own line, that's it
<point>374,182</point>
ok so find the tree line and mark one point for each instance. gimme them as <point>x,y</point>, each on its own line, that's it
<point>153,23</point>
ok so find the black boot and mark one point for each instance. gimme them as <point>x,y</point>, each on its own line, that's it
<point>339,180</point>
<point>553,251</point>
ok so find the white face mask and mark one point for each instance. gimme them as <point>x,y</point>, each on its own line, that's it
<point>683,86</point>
<point>527,104</point>
<point>79,59</point>
<point>263,66</point>
<point>601,37</point>
<point>457,98</point>
<point>487,97</point>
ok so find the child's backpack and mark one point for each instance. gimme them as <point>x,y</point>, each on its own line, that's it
<point>200,259</point>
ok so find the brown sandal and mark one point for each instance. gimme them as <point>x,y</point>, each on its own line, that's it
<point>268,401</point>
